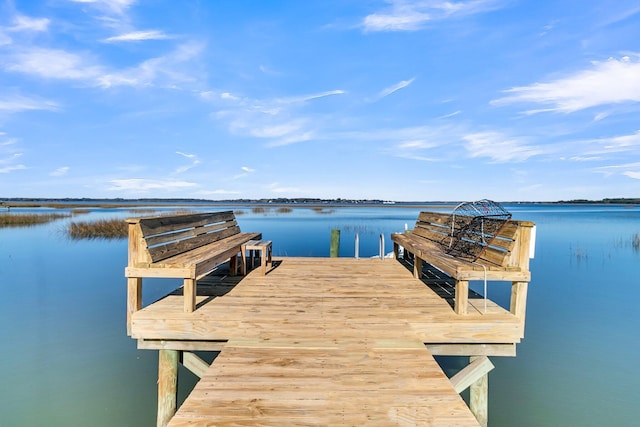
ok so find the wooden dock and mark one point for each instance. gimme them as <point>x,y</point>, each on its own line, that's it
<point>325,341</point>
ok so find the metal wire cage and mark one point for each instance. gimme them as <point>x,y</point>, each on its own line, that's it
<point>473,226</point>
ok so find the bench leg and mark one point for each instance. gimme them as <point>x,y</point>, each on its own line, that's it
<point>189,291</point>
<point>243,255</point>
<point>417,267</point>
<point>233,265</point>
<point>519,299</point>
<point>134,298</point>
<point>396,250</point>
<point>462,296</point>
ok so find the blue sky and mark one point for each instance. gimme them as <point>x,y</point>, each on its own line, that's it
<point>510,100</point>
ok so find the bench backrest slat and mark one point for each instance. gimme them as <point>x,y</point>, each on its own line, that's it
<point>167,236</point>
<point>496,250</point>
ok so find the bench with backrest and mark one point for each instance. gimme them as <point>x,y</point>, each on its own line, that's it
<point>187,246</point>
<point>467,255</point>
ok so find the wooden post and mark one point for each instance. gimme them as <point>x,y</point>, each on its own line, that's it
<point>167,386</point>
<point>134,298</point>
<point>189,291</point>
<point>518,305</point>
<point>334,250</point>
<point>462,296</point>
<point>479,397</point>
<point>417,267</point>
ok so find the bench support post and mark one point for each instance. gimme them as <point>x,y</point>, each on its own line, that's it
<point>189,290</point>
<point>167,386</point>
<point>462,296</point>
<point>417,266</point>
<point>519,299</point>
<point>134,298</point>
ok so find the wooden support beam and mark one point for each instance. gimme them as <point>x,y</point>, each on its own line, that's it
<point>182,345</point>
<point>189,290</point>
<point>479,366</point>
<point>462,296</point>
<point>441,349</point>
<point>518,305</point>
<point>134,298</point>
<point>479,394</point>
<point>194,364</point>
<point>167,386</point>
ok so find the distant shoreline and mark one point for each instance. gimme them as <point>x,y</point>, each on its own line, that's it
<point>277,202</point>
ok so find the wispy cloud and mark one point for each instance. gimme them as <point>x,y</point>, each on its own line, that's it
<point>403,15</point>
<point>19,103</point>
<point>61,171</point>
<point>246,171</point>
<point>610,82</point>
<point>25,23</point>
<point>9,155</point>
<point>194,162</point>
<point>135,36</point>
<point>630,170</point>
<point>278,120</point>
<point>141,185</point>
<point>53,64</point>
<point>165,71</point>
<point>110,6</point>
<point>500,148</point>
<point>394,88</point>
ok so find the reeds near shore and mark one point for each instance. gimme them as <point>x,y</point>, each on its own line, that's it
<point>100,229</point>
<point>25,220</point>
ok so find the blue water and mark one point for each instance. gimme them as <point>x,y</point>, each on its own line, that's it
<point>66,359</point>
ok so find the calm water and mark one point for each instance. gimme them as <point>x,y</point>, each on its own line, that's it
<point>67,361</point>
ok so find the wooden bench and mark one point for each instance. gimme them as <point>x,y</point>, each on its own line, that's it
<point>182,246</point>
<point>502,256</point>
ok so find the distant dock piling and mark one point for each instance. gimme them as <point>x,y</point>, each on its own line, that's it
<point>334,250</point>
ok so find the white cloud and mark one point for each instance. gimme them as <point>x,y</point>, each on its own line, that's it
<point>394,88</point>
<point>139,36</point>
<point>610,82</point>
<point>194,162</point>
<point>499,148</point>
<point>188,156</point>
<point>144,185</point>
<point>630,170</point>
<point>53,64</point>
<point>25,23</point>
<point>60,171</point>
<point>274,119</point>
<point>403,15</point>
<point>217,192</point>
<point>19,103</point>
<point>113,6</point>
<point>247,169</point>
<point>11,168</point>
<point>167,70</point>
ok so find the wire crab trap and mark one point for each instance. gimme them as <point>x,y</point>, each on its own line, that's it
<point>473,226</point>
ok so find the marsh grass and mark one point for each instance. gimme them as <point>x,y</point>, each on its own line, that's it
<point>322,211</point>
<point>26,220</point>
<point>284,210</point>
<point>100,229</point>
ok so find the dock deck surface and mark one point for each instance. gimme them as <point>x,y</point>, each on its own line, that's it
<point>324,341</point>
